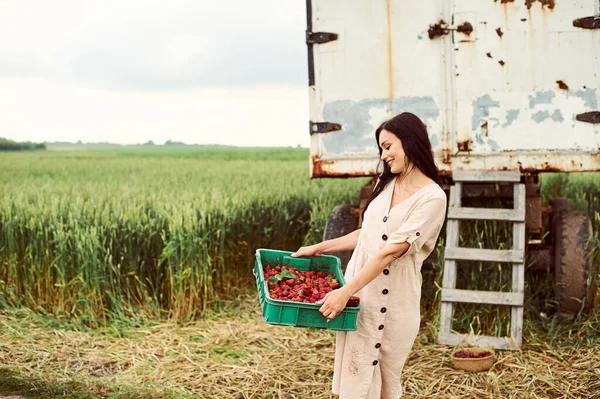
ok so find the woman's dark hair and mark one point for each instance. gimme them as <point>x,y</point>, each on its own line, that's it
<point>413,134</point>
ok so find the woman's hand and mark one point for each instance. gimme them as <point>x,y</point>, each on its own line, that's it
<point>334,302</point>
<point>312,250</point>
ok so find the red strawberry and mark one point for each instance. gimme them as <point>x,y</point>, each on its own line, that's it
<point>353,301</point>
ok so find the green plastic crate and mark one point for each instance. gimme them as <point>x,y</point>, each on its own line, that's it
<point>300,314</point>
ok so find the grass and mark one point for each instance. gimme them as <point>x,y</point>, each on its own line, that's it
<point>540,304</point>
<point>126,269</point>
<point>95,234</point>
<point>232,354</point>
<point>17,383</point>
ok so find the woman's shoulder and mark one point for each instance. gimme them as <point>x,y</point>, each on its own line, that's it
<point>433,191</point>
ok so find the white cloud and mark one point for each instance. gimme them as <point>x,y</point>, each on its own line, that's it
<point>155,45</point>
<point>38,29</point>
<point>184,47</point>
<point>128,71</point>
<point>43,110</point>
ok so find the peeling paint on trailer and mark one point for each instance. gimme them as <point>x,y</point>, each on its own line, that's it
<point>540,116</point>
<point>361,118</point>
<point>494,85</point>
<point>557,116</point>
<point>511,116</point>
<point>548,122</point>
<point>481,109</point>
<point>541,97</point>
<point>589,97</point>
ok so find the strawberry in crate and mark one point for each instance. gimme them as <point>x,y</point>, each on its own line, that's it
<point>289,284</point>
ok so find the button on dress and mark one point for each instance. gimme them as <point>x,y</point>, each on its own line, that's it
<point>369,361</point>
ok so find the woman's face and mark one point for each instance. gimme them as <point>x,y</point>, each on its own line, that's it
<point>392,152</point>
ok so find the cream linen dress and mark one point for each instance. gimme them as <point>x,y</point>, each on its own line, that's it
<point>369,361</point>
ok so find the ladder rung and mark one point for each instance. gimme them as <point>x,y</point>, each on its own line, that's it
<point>483,341</point>
<point>485,297</point>
<point>450,295</point>
<point>487,214</point>
<point>486,255</point>
<point>483,176</point>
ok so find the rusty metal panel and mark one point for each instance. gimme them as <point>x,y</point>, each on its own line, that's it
<point>526,161</point>
<point>495,84</point>
<point>519,91</point>
<point>365,77</point>
<point>533,205</point>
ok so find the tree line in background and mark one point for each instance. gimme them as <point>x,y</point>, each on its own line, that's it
<point>10,145</point>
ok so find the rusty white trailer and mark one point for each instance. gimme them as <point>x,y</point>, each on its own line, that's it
<point>503,86</point>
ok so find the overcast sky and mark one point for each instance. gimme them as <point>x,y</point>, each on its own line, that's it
<point>128,71</point>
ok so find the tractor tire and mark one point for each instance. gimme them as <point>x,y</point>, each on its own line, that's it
<point>342,220</point>
<point>572,262</point>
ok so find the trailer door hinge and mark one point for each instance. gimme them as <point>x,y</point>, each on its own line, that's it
<point>589,117</point>
<point>320,37</point>
<point>324,127</point>
<point>587,22</point>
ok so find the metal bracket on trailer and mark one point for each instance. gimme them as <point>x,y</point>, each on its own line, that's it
<point>589,117</point>
<point>320,37</point>
<point>587,22</point>
<point>324,127</point>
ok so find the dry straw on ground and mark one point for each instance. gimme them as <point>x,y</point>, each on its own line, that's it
<point>233,354</point>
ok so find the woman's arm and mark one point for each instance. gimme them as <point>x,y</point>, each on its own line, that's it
<point>374,266</point>
<point>344,243</point>
<point>335,301</point>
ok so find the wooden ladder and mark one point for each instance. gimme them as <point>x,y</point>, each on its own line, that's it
<point>515,256</point>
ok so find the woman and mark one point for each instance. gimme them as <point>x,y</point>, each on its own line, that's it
<point>401,223</point>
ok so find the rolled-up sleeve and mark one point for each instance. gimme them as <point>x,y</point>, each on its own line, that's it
<point>422,224</point>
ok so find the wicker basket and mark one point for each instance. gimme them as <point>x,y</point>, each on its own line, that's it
<point>479,364</point>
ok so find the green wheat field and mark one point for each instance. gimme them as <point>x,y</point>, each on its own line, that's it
<point>92,236</point>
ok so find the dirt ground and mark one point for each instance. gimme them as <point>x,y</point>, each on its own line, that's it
<point>233,354</point>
